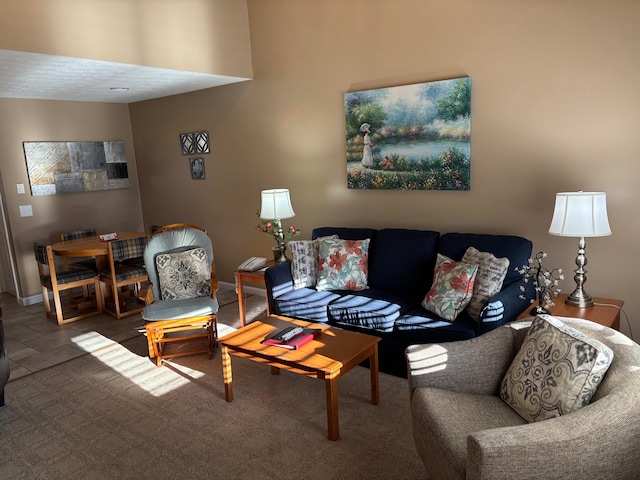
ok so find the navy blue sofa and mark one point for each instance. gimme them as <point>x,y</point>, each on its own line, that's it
<point>401,264</point>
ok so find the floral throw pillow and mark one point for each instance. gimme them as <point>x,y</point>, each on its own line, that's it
<point>489,279</point>
<point>304,264</point>
<point>452,288</point>
<point>343,264</point>
<point>184,274</point>
<point>556,371</point>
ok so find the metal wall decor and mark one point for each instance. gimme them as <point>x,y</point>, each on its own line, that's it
<point>69,167</point>
<point>197,168</point>
<point>197,142</point>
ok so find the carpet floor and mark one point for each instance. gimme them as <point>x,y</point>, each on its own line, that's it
<point>113,414</point>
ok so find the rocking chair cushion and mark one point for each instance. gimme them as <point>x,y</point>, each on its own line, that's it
<point>184,274</point>
<point>179,309</point>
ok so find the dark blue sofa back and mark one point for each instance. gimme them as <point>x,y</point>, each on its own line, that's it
<point>400,260</point>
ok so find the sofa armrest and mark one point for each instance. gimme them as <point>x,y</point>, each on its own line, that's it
<point>277,280</point>
<point>505,306</point>
<point>473,366</point>
<point>597,441</point>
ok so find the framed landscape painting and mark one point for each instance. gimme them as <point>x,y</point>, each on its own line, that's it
<point>411,137</point>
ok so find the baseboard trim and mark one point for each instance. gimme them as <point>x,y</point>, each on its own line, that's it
<point>32,300</point>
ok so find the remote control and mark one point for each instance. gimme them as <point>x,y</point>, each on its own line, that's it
<point>287,335</point>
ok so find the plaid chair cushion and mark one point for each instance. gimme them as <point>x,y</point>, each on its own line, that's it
<point>40,250</point>
<point>127,272</point>
<point>68,276</point>
<point>129,248</point>
<point>88,232</point>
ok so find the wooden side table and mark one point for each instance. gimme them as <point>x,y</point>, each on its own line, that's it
<point>606,311</point>
<point>255,278</point>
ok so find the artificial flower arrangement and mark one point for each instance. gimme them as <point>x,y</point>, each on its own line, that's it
<point>271,229</point>
<point>544,281</point>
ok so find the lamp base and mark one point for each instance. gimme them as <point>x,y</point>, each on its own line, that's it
<point>580,299</point>
<point>279,254</point>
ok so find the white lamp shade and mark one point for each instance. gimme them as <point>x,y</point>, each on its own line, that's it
<point>276,204</point>
<point>580,214</point>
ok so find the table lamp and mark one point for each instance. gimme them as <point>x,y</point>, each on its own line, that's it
<point>276,206</point>
<point>580,214</point>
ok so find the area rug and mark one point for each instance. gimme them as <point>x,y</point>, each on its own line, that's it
<point>113,414</point>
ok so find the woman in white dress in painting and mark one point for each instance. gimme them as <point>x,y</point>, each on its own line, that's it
<point>367,154</point>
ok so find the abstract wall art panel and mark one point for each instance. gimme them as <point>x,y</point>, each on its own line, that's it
<point>411,137</point>
<point>72,167</point>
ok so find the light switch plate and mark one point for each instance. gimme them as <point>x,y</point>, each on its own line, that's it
<point>26,211</point>
<point>20,187</point>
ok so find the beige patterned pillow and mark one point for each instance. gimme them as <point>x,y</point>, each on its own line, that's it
<point>184,274</point>
<point>489,279</point>
<point>556,371</point>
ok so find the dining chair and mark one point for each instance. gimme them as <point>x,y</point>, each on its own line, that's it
<point>65,281</point>
<point>124,271</point>
<point>181,304</point>
<point>90,262</point>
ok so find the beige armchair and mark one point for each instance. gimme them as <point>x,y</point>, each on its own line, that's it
<point>463,429</point>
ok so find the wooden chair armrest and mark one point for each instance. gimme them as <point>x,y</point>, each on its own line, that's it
<point>145,294</point>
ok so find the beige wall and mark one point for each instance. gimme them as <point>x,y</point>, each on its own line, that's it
<point>554,108</point>
<point>193,35</point>
<point>108,211</point>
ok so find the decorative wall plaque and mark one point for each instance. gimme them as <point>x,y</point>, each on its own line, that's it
<point>70,167</point>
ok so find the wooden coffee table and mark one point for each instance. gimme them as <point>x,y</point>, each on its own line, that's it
<point>329,356</point>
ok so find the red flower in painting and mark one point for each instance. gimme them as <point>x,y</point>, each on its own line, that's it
<point>337,260</point>
<point>462,282</point>
<point>354,247</point>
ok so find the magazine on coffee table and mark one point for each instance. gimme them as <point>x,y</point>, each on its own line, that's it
<point>291,338</point>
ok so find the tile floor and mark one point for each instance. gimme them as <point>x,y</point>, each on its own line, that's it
<point>35,342</point>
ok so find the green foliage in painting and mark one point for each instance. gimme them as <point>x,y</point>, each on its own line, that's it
<point>457,103</point>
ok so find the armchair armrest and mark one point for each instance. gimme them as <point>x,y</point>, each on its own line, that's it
<point>597,441</point>
<point>505,306</point>
<point>473,366</point>
<point>277,280</point>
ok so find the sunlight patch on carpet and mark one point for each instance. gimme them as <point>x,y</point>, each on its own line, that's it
<point>143,373</point>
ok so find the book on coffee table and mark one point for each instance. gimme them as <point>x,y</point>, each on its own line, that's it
<point>281,339</point>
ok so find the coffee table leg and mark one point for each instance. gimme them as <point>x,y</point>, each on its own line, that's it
<point>226,373</point>
<point>373,368</point>
<point>332,408</point>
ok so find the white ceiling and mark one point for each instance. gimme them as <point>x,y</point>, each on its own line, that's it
<point>52,77</point>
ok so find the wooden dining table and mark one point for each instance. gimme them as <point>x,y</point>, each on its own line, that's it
<point>90,247</point>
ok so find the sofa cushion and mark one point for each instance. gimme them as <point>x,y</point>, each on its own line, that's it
<point>421,326</point>
<point>556,371</point>
<point>305,303</point>
<point>184,274</point>
<point>403,260</point>
<point>342,264</point>
<point>304,264</point>
<point>452,288</point>
<point>516,249</point>
<point>364,312</point>
<point>489,279</point>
